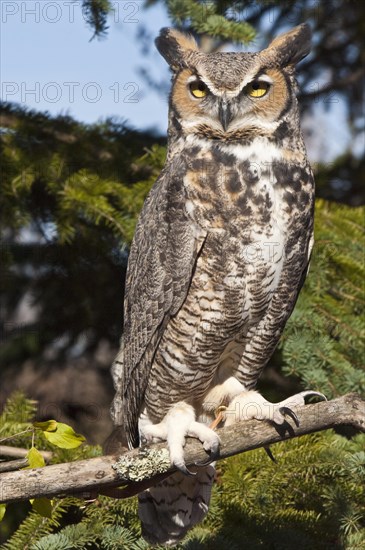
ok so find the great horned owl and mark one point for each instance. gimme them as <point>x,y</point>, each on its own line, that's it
<point>220,253</point>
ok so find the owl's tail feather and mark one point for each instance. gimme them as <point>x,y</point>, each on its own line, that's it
<point>168,510</point>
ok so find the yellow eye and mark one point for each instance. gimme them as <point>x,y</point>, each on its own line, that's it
<point>257,88</point>
<point>198,89</point>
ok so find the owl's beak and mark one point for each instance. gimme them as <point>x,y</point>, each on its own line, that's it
<point>224,113</point>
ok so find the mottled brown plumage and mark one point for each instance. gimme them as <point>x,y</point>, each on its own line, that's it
<point>220,253</point>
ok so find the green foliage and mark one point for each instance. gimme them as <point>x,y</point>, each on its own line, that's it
<point>2,511</point>
<point>63,436</point>
<point>210,18</point>
<point>35,458</point>
<point>43,506</point>
<point>323,342</point>
<point>16,419</point>
<point>86,535</point>
<point>16,425</point>
<point>95,13</point>
<point>17,428</point>
<point>35,526</point>
<point>74,191</point>
<point>310,471</point>
<point>70,175</point>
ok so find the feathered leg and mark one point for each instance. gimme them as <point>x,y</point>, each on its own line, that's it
<point>250,404</point>
<point>178,424</point>
<point>168,510</point>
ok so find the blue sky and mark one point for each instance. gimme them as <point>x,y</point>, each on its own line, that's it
<point>48,63</point>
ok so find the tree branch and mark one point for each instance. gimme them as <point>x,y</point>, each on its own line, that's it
<point>97,475</point>
<point>11,465</point>
<point>18,452</point>
<point>21,455</point>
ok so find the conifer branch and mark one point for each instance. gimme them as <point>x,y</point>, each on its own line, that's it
<point>97,475</point>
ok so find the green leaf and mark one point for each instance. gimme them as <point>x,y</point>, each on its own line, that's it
<point>43,506</point>
<point>64,437</point>
<point>47,426</point>
<point>2,511</point>
<point>35,458</point>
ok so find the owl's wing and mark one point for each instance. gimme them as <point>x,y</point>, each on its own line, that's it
<point>264,337</point>
<point>163,255</point>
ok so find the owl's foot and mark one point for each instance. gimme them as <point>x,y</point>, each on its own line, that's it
<point>251,404</point>
<point>178,424</point>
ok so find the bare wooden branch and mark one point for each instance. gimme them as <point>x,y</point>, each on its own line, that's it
<point>19,452</point>
<point>96,475</point>
<point>12,465</point>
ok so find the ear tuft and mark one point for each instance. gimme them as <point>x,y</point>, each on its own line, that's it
<point>289,48</point>
<point>173,45</point>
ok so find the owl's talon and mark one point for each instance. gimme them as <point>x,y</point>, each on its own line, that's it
<point>213,451</point>
<point>286,411</point>
<point>184,470</point>
<point>311,393</point>
<point>178,424</point>
<point>270,455</point>
<point>212,448</point>
<point>203,463</point>
<point>213,456</point>
<point>251,404</point>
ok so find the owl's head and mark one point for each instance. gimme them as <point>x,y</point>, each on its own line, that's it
<point>229,96</point>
